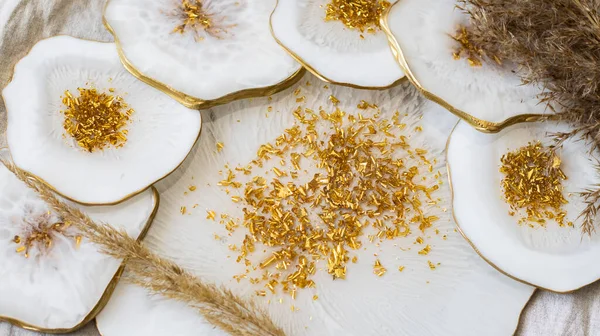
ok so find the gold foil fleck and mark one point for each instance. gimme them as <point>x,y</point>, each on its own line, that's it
<point>378,269</point>
<point>425,250</point>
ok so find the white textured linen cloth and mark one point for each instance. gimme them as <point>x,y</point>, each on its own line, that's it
<point>24,22</point>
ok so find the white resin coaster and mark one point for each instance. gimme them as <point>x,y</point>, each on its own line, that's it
<point>332,51</point>
<point>60,282</point>
<point>489,96</point>
<point>159,132</point>
<point>551,257</point>
<point>202,53</point>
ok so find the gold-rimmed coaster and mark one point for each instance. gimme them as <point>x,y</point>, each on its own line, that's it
<point>430,42</point>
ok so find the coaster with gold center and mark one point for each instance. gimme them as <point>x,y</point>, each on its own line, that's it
<point>51,278</point>
<point>517,198</point>
<point>201,53</point>
<point>430,39</point>
<point>339,41</point>
<point>83,125</point>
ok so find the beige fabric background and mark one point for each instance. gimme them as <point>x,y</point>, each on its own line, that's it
<point>24,22</point>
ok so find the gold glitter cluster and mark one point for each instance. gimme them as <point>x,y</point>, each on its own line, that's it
<point>365,191</point>
<point>466,48</point>
<point>533,183</point>
<point>40,233</point>
<point>357,14</point>
<point>194,16</point>
<point>96,120</point>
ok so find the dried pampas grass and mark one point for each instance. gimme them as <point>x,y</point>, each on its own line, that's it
<point>218,305</point>
<point>555,43</point>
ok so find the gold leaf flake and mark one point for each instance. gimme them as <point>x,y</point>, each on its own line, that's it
<point>378,269</point>
<point>425,250</point>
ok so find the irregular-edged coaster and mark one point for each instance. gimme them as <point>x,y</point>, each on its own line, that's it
<point>228,55</point>
<point>61,285</point>
<point>160,132</point>
<point>330,50</point>
<point>461,296</point>
<point>489,97</point>
<point>554,258</point>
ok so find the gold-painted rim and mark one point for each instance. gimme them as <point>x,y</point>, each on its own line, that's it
<point>106,295</point>
<point>499,269</point>
<point>51,187</point>
<point>318,74</point>
<point>193,102</point>
<point>479,124</point>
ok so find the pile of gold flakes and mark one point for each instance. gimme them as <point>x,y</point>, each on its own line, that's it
<point>40,233</point>
<point>96,120</point>
<point>364,192</point>
<point>194,16</point>
<point>357,14</point>
<point>532,185</point>
<point>466,48</point>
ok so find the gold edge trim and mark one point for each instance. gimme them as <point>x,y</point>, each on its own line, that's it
<point>317,73</point>
<point>479,124</point>
<point>106,295</point>
<point>448,168</point>
<point>51,187</point>
<point>193,102</point>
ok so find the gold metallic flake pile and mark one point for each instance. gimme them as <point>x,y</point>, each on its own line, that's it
<point>96,120</point>
<point>40,234</point>
<point>357,14</point>
<point>194,16</point>
<point>532,185</point>
<point>468,50</point>
<point>365,192</point>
